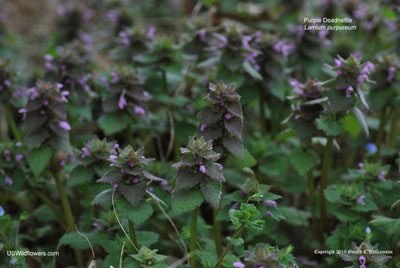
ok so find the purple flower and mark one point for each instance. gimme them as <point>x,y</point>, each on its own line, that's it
<point>338,63</point>
<point>228,116</point>
<point>114,184</point>
<point>219,166</point>
<point>139,110</point>
<point>150,189</point>
<point>267,213</point>
<point>391,72</point>
<point>270,203</point>
<point>97,226</point>
<point>23,112</point>
<point>7,155</point>
<point>349,90</point>
<point>63,94</point>
<point>150,32</point>
<point>296,86</point>
<point>62,163</point>
<point>245,42</point>
<point>45,102</point>
<point>381,176</point>
<point>202,169</point>
<point>360,199</point>
<point>19,157</point>
<point>48,57</point>
<point>33,93</point>
<point>284,48</point>
<point>127,181</point>
<point>85,151</point>
<point>224,41</point>
<point>367,68</point>
<point>122,101</point>
<point>362,78</point>
<point>1,211</point>
<point>131,164</point>
<point>115,78</point>
<point>8,181</point>
<point>112,157</point>
<point>135,180</point>
<point>59,85</point>
<point>361,167</point>
<point>113,16</point>
<point>202,35</point>
<point>202,127</point>
<point>362,261</point>
<point>238,264</point>
<point>339,72</point>
<point>64,125</point>
<point>7,83</point>
<point>122,171</point>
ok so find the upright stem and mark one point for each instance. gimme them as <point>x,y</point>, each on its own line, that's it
<point>165,81</point>
<point>327,159</point>
<point>262,119</point>
<point>393,128</point>
<point>217,233</point>
<point>235,234</point>
<point>132,234</point>
<point>381,132</point>
<point>11,122</point>
<point>193,227</point>
<point>68,214</point>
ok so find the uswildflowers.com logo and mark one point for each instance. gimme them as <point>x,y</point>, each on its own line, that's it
<point>13,253</point>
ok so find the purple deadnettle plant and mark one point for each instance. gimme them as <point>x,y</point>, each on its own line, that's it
<point>222,119</point>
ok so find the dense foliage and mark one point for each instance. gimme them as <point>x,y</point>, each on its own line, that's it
<point>208,133</point>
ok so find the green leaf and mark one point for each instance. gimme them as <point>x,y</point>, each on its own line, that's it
<point>351,125</point>
<point>391,226</point>
<point>215,172</point>
<point>209,116</point>
<point>147,238</point>
<point>138,214</point>
<point>103,198</point>
<point>234,146</point>
<point>251,71</point>
<point>361,120</point>
<point>113,123</point>
<point>39,158</point>
<point>132,193</point>
<point>79,175</point>
<point>186,200</point>
<point>295,216</point>
<point>234,126</point>
<point>211,191</point>
<point>111,176</point>
<point>333,196</point>
<point>303,161</point>
<point>329,126</point>
<point>75,240</point>
<point>186,179</point>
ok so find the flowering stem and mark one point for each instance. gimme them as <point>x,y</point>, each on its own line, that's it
<point>393,128</point>
<point>381,131</point>
<point>235,234</point>
<point>132,234</point>
<point>326,162</point>
<point>217,232</point>
<point>262,119</point>
<point>165,81</point>
<point>193,227</point>
<point>11,122</point>
<point>68,214</point>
